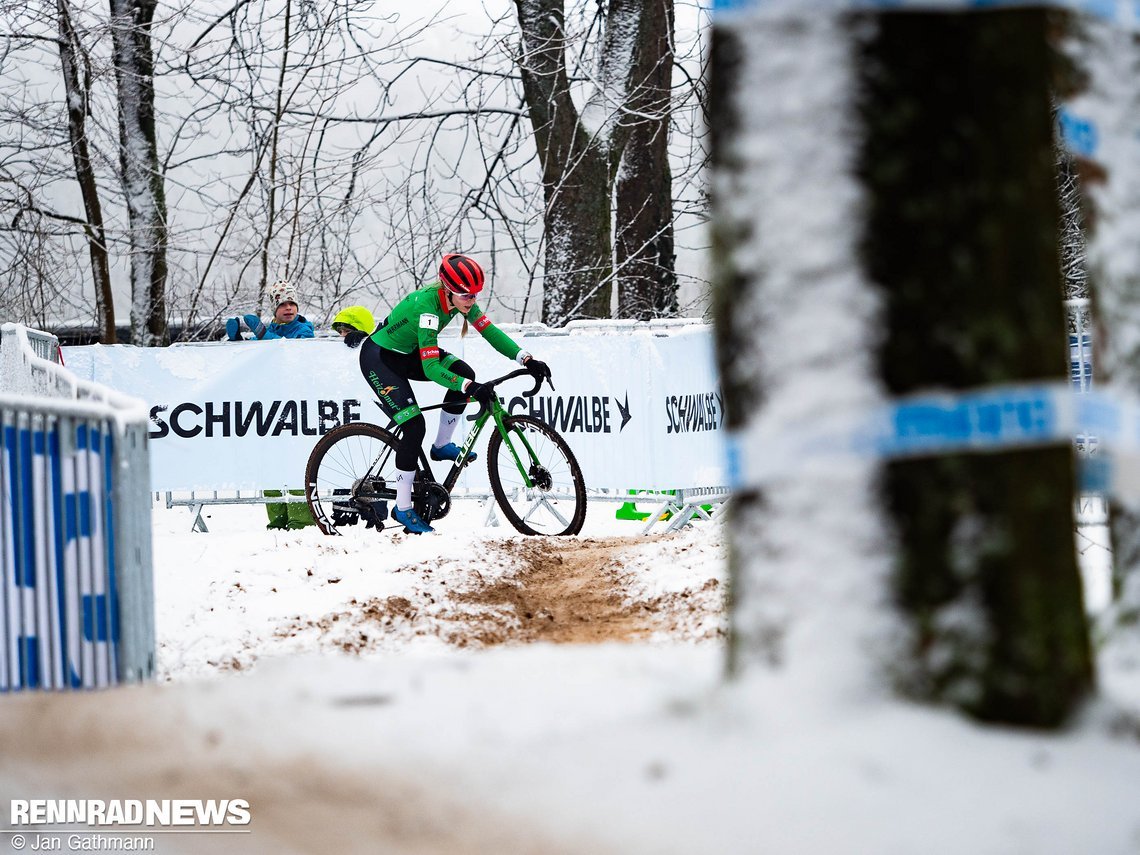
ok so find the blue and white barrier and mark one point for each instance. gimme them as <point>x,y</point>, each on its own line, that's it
<point>76,599</point>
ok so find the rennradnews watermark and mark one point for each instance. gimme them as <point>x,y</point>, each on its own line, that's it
<point>125,825</point>
<point>144,812</point>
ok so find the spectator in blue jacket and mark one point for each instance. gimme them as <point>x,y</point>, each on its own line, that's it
<point>286,323</point>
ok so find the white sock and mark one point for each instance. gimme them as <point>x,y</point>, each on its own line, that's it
<point>404,489</point>
<point>447,423</point>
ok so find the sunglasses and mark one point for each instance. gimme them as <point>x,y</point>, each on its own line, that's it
<point>463,297</point>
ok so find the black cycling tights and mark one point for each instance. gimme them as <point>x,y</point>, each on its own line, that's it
<point>389,374</point>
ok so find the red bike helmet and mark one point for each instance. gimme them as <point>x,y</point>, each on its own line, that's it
<point>460,274</point>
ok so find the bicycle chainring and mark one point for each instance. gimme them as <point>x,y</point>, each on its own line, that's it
<point>430,499</point>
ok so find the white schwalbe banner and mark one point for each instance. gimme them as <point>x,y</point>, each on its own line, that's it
<point>641,408</point>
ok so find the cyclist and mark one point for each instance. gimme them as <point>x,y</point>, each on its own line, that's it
<point>406,347</point>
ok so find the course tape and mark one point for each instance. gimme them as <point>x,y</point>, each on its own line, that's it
<point>996,418</point>
<point>1080,134</point>
<point>1125,13</point>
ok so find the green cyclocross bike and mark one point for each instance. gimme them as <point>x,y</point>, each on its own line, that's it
<point>350,476</point>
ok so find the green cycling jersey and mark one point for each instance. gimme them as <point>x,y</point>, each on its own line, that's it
<point>415,324</point>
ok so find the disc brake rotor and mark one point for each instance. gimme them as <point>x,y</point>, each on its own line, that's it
<point>541,477</point>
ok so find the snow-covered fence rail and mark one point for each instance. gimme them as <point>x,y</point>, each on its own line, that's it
<point>43,345</point>
<point>76,600</point>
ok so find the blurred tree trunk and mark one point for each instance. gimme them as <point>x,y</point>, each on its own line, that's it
<point>963,234</point>
<point>938,237</point>
<point>141,172</point>
<point>77,91</point>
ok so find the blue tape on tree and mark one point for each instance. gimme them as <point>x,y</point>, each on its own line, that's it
<point>1102,425</point>
<point>981,420</point>
<point>1125,13</point>
<point>1079,134</point>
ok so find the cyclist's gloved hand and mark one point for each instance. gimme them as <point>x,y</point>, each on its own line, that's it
<point>255,325</point>
<point>537,368</point>
<point>481,392</point>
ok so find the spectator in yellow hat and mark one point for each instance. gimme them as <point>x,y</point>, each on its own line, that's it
<point>354,319</point>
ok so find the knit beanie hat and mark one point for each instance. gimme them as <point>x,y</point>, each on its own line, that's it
<point>356,317</point>
<point>282,292</point>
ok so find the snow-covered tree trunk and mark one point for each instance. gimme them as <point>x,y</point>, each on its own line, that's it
<point>575,173</point>
<point>615,147</point>
<point>140,170</point>
<point>796,324</point>
<point>884,235</point>
<point>76,88</point>
<point>273,165</point>
<point>644,254</point>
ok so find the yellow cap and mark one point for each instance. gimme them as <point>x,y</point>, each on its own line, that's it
<point>356,317</point>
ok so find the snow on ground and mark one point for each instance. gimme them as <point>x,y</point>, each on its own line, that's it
<point>391,694</point>
<point>230,597</point>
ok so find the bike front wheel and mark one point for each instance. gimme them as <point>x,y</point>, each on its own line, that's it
<point>536,478</point>
<point>351,476</point>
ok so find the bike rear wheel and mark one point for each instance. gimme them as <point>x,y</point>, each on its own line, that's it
<point>350,476</point>
<point>555,501</point>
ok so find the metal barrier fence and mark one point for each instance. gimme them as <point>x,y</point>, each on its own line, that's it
<point>672,509</point>
<point>76,599</point>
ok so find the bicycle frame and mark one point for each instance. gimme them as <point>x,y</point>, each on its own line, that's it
<point>498,413</point>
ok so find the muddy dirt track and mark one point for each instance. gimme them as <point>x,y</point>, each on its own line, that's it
<point>553,590</point>
<point>579,592</point>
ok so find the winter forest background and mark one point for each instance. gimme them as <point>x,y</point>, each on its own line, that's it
<point>887,219</point>
<point>162,163</point>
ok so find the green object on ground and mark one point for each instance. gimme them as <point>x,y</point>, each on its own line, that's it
<point>288,515</point>
<point>629,511</point>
